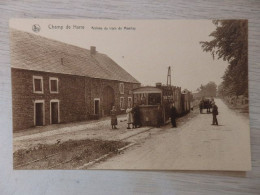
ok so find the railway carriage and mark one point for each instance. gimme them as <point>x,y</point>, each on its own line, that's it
<point>155,102</point>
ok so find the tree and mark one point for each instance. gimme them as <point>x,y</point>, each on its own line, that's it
<point>211,88</point>
<point>208,90</point>
<point>230,42</point>
<point>220,91</point>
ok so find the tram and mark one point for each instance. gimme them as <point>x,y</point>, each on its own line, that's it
<point>155,102</point>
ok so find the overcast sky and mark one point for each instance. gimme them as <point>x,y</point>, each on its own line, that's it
<point>145,50</point>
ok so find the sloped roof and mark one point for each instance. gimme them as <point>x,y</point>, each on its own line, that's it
<point>33,52</point>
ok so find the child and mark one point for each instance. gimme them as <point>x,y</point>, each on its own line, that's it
<point>113,117</point>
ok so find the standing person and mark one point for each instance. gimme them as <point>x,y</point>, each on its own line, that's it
<point>201,106</point>
<point>113,117</point>
<point>207,105</point>
<point>211,103</point>
<point>129,116</point>
<point>173,114</point>
<point>159,116</point>
<point>138,120</point>
<point>214,114</point>
<point>136,116</point>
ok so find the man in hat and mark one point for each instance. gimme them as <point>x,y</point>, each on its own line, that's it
<point>173,115</point>
<point>159,116</point>
<point>214,113</point>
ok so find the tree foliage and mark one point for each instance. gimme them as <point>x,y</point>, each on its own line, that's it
<point>230,42</point>
<point>208,90</point>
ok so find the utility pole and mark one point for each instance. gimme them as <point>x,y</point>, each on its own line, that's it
<point>169,82</point>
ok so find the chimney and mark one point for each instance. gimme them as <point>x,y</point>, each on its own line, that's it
<point>92,50</point>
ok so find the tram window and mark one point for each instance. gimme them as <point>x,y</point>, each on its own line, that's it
<point>154,99</point>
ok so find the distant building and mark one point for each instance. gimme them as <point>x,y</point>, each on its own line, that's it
<point>54,82</point>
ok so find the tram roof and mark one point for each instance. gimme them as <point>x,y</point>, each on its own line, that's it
<point>147,89</point>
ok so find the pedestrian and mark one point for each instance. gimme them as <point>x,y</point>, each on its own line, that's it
<point>207,105</point>
<point>201,106</point>
<point>173,115</point>
<point>136,116</point>
<point>211,103</point>
<point>129,116</point>
<point>214,114</point>
<point>159,116</point>
<point>113,117</point>
<point>138,119</point>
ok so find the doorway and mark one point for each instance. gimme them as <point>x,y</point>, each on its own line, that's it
<point>96,106</point>
<point>54,112</point>
<point>39,113</point>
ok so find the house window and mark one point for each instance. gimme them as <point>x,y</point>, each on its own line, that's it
<point>37,84</point>
<point>121,88</point>
<point>129,101</point>
<point>122,99</point>
<point>54,85</point>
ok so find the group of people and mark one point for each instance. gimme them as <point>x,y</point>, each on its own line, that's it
<point>133,117</point>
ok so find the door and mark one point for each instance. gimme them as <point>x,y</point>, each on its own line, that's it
<point>39,114</point>
<point>96,109</point>
<point>108,100</point>
<point>54,112</point>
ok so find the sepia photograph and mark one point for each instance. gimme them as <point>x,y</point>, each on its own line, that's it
<point>130,94</point>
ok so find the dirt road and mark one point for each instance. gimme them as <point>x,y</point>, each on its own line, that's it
<point>196,145</point>
<point>96,130</point>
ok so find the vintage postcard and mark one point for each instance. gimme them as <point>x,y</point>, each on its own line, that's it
<point>130,94</point>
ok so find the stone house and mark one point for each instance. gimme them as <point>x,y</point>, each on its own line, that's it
<point>54,82</point>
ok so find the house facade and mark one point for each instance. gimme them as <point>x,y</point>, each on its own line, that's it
<point>54,82</point>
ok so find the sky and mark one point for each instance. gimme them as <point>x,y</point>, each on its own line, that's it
<point>144,48</point>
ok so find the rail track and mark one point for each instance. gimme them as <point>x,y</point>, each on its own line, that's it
<point>50,165</point>
<point>48,157</point>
